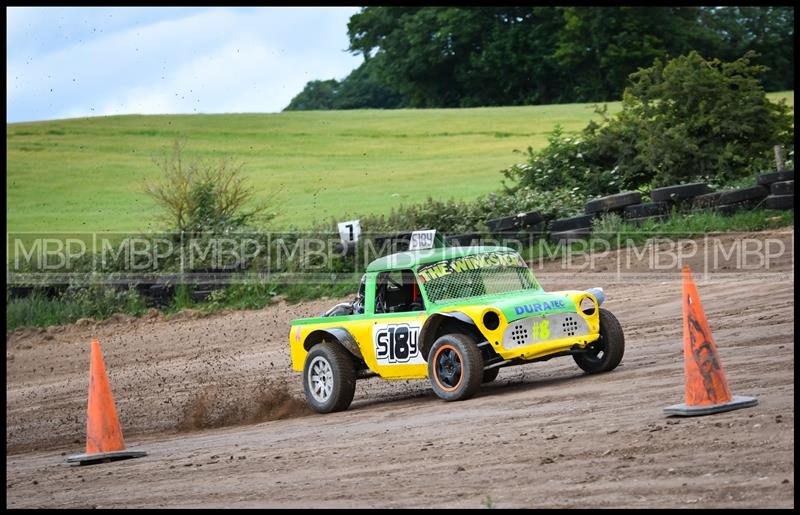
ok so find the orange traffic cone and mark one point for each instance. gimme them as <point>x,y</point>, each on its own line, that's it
<point>707,388</point>
<point>103,434</point>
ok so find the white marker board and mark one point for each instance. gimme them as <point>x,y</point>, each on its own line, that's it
<point>422,240</point>
<point>349,231</point>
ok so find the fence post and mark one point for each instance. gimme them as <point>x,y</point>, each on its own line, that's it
<point>779,157</point>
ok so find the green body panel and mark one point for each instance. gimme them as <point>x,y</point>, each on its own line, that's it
<point>413,258</point>
<point>514,305</point>
<point>530,303</point>
<point>530,322</point>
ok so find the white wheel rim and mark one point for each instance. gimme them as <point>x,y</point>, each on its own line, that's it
<point>320,379</point>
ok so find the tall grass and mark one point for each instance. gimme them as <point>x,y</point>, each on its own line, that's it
<point>97,302</point>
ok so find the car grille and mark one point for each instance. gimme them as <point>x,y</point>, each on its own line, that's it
<point>559,325</point>
<point>569,325</point>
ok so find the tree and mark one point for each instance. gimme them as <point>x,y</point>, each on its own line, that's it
<point>769,31</point>
<point>359,90</point>
<point>598,48</point>
<point>683,120</point>
<point>317,95</point>
<point>451,57</point>
<point>484,56</point>
<point>362,89</point>
<point>703,119</point>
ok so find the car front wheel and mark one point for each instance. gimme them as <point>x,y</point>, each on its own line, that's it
<point>455,367</point>
<point>605,353</point>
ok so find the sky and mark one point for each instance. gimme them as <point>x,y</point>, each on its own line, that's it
<point>75,62</point>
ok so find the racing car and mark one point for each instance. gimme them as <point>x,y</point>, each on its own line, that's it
<point>453,315</point>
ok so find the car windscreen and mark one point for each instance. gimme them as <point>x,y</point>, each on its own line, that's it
<point>487,273</point>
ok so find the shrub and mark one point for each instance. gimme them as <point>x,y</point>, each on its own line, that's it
<point>702,119</point>
<point>689,119</point>
<point>463,216</point>
<point>203,196</point>
<point>567,162</point>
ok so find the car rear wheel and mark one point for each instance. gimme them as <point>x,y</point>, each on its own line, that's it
<point>605,353</point>
<point>455,367</point>
<point>329,378</point>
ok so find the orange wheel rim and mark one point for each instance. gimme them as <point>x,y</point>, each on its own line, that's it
<point>448,367</point>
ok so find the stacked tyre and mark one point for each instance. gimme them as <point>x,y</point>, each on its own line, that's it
<point>565,230</point>
<point>781,189</point>
<point>640,213</point>
<point>531,222</point>
<point>732,201</point>
<point>680,196</point>
<point>707,200</point>
<point>613,203</point>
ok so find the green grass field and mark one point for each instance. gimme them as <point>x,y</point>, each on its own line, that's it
<point>87,174</point>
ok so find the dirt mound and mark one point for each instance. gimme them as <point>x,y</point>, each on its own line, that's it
<point>214,406</point>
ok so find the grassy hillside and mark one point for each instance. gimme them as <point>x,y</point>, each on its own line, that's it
<point>87,174</point>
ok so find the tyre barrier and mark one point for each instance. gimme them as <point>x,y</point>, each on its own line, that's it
<point>779,202</point>
<point>505,223</point>
<point>765,179</point>
<point>646,210</point>
<point>200,295</point>
<point>729,209</point>
<point>615,202</point>
<point>707,200</point>
<point>158,295</point>
<point>465,240</point>
<point>782,188</point>
<point>639,221</point>
<point>539,228</point>
<point>20,292</point>
<point>529,219</point>
<point>571,235</point>
<point>574,222</point>
<point>743,195</point>
<point>509,223</point>
<point>679,192</point>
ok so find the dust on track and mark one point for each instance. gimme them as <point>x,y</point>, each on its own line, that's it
<point>215,404</point>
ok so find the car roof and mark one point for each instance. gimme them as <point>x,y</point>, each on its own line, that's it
<point>412,258</point>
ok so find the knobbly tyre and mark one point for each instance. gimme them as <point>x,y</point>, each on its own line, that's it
<point>455,315</point>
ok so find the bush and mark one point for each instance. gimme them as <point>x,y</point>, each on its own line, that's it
<point>700,119</point>
<point>452,217</point>
<point>203,197</point>
<point>686,120</point>
<point>568,163</point>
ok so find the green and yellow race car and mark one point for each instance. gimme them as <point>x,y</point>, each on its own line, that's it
<point>455,315</point>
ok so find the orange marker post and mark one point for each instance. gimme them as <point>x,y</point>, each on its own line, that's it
<point>707,388</point>
<point>104,440</point>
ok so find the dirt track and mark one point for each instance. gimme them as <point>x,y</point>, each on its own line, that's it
<point>191,392</point>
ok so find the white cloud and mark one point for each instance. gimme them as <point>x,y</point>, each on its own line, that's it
<point>216,60</point>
